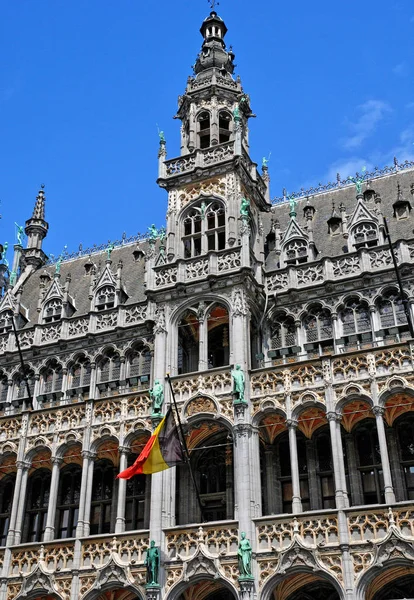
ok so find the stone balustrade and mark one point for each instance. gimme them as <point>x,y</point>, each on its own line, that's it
<point>198,159</point>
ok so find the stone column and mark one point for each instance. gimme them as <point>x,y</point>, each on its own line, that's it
<point>203,344</point>
<point>19,492</point>
<point>87,458</point>
<point>397,471</point>
<point>315,496</point>
<point>341,458</point>
<point>51,508</point>
<point>388,488</point>
<point>354,474</point>
<point>21,503</point>
<point>271,489</point>
<point>339,493</point>
<point>88,494</point>
<point>122,483</point>
<point>244,494</point>
<point>294,466</point>
<point>92,384</point>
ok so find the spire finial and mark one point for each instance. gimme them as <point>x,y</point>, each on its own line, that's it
<point>213,4</point>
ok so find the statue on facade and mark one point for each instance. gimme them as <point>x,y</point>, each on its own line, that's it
<point>109,249</point>
<point>244,208</point>
<point>153,233</point>
<point>157,397</point>
<point>19,234</point>
<point>292,204</point>
<point>359,180</point>
<point>3,254</point>
<point>152,562</point>
<point>244,554</point>
<point>265,162</point>
<point>238,383</point>
<point>162,137</point>
<point>236,113</point>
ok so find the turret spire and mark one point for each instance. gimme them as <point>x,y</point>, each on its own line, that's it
<point>36,230</point>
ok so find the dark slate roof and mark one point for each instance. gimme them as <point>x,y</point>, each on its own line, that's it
<point>329,246</point>
<point>132,279</point>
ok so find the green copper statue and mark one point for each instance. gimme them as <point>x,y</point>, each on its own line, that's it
<point>359,180</point>
<point>236,113</point>
<point>162,137</point>
<point>292,204</point>
<point>109,249</point>
<point>244,554</point>
<point>244,208</point>
<point>3,256</point>
<point>19,234</point>
<point>153,233</point>
<point>157,397</point>
<point>238,384</point>
<point>152,562</point>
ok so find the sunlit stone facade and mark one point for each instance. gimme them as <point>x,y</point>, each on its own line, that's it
<point>317,467</point>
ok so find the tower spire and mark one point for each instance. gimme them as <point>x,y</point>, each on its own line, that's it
<point>36,230</point>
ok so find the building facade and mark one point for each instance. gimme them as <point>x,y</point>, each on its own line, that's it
<point>315,465</point>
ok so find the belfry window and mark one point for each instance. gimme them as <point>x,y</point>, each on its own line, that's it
<point>204,132</point>
<point>109,367</point>
<point>204,229</point>
<point>51,379</point>
<point>224,126</point>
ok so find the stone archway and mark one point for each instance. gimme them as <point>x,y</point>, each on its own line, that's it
<point>305,586</point>
<point>396,583</point>
<point>118,594</point>
<point>207,589</point>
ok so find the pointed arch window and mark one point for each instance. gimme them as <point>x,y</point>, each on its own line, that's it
<point>283,337</point>
<point>6,499</point>
<point>36,505</point>
<point>138,496</point>
<point>105,297</point>
<point>318,329</point>
<point>391,310</point>
<point>225,123</point>
<point>4,389</point>
<point>405,436</point>
<point>139,365</point>
<point>52,310</point>
<point>109,367</point>
<point>68,501</point>
<point>324,469</point>
<point>20,389</point>
<point>102,495</point>
<point>356,318</point>
<point>204,228</point>
<point>80,374</point>
<point>204,129</point>
<point>51,379</point>
<point>284,472</point>
<point>369,462</point>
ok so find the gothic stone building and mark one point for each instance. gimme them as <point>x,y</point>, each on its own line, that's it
<point>316,467</point>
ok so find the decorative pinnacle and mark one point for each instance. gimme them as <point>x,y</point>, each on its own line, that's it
<point>39,207</point>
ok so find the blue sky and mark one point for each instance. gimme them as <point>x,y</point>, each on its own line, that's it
<point>84,84</point>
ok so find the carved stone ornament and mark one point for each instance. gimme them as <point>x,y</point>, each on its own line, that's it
<point>393,546</point>
<point>238,302</point>
<point>203,562</point>
<point>40,580</point>
<point>114,570</point>
<point>159,319</point>
<point>298,554</point>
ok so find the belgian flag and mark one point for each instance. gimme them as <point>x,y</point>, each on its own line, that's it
<point>162,451</point>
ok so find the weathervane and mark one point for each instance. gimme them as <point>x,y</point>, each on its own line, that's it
<point>213,3</point>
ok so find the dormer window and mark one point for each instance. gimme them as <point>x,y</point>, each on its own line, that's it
<point>365,235</point>
<point>204,129</point>
<point>296,252</point>
<point>204,229</point>
<point>52,310</point>
<point>369,195</point>
<point>105,298</point>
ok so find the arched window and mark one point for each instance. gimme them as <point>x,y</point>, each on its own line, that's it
<point>137,499</point>
<point>405,436</point>
<point>109,367</point>
<point>204,229</point>
<point>4,388</point>
<point>318,328</point>
<point>36,505</point>
<point>355,318</point>
<point>52,310</point>
<point>324,469</point>
<point>80,374</point>
<point>20,388</point>
<point>296,252</point>
<point>365,235</point>
<point>6,500</point>
<point>51,379</point>
<point>188,342</point>
<point>218,337</point>
<point>204,134</point>
<point>225,122</point>
<point>5,322</point>
<point>139,365</point>
<point>391,310</point>
<point>102,494</point>
<point>369,462</point>
<point>213,470</point>
<point>68,501</point>
<point>105,297</point>
<point>283,336</point>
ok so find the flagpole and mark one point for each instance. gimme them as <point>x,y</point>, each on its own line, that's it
<point>184,444</point>
<point>400,285</point>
